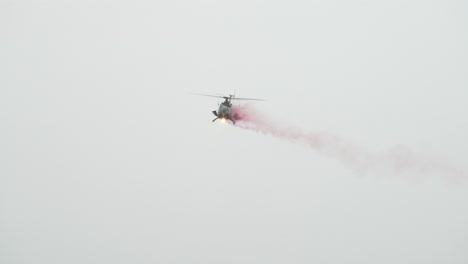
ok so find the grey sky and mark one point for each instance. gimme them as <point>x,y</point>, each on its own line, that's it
<point>105,157</point>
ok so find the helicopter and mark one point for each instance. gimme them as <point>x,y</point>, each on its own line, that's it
<point>224,111</point>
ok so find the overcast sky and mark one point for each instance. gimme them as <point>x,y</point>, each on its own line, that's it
<point>106,157</point>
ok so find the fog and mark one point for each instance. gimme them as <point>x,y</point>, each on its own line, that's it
<point>106,157</point>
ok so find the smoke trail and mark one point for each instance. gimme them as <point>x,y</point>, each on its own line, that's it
<point>397,159</point>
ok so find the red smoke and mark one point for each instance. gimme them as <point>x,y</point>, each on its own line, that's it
<point>398,159</point>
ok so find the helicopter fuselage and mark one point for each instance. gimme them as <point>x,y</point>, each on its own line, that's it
<point>224,112</point>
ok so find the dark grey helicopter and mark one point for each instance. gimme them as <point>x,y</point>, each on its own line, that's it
<point>224,111</point>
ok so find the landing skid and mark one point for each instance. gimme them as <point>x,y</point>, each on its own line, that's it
<point>232,120</point>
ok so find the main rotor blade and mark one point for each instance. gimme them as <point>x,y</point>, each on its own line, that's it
<point>230,97</point>
<point>249,99</point>
<point>209,95</point>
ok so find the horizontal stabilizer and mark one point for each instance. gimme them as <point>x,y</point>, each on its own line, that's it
<point>214,113</point>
